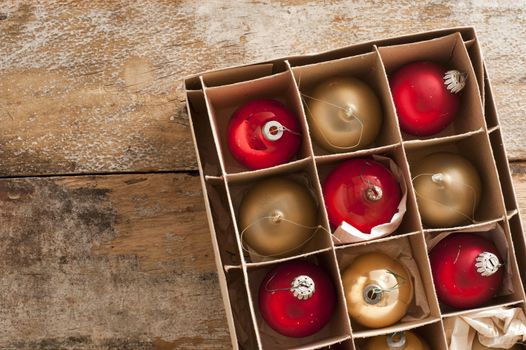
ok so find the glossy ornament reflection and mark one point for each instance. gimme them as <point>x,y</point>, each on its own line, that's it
<point>263,133</point>
<point>277,216</point>
<point>467,270</point>
<point>362,192</point>
<point>448,189</point>
<point>344,114</point>
<point>397,341</point>
<point>297,298</point>
<point>378,290</point>
<point>426,97</point>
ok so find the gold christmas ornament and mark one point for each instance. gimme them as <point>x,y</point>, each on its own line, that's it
<point>448,189</point>
<point>344,114</point>
<point>277,216</point>
<point>378,290</point>
<point>397,341</point>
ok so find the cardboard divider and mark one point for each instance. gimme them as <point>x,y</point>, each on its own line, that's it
<point>303,173</point>
<point>343,345</point>
<point>244,327</point>
<point>226,99</point>
<point>202,132</point>
<point>239,74</point>
<point>225,231</point>
<point>516,233</point>
<point>366,67</point>
<point>336,330</point>
<point>450,52</point>
<point>503,170</point>
<point>485,308</point>
<point>411,252</point>
<point>490,111</point>
<point>467,33</point>
<point>473,49</point>
<point>432,334</point>
<point>511,289</point>
<point>477,150</point>
<point>411,220</point>
<point>420,143</point>
<point>378,241</point>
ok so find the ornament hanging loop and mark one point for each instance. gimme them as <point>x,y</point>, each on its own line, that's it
<point>273,130</point>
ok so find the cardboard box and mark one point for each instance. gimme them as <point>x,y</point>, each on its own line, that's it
<point>475,133</point>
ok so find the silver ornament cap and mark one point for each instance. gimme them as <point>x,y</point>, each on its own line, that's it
<point>372,294</point>
<point>487,264</point>
<point>396,341</point>
<point>455,81</point>
<point>303,287</point>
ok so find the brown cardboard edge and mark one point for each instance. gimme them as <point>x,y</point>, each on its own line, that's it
<point>217,259</point>
<point>489,131</point>
<point>497,117</point>
<point>467,312</point>
<point>396,328</point>
<point>409,144</point>
<point>386,41</point>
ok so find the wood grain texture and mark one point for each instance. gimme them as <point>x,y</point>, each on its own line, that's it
<point>125,261</point>
<point>107,262</point>
<point>113,262</point>
<point>95,86</point>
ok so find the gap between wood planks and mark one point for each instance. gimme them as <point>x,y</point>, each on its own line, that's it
<point>517,166</point>
<point>185,172</point>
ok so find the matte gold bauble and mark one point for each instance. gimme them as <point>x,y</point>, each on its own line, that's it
<point>344,114</point>
<point>448,189</point>
<point>397,341</point>
<point>278,216</point>
<point>378,290</point>
<point>478,346</point>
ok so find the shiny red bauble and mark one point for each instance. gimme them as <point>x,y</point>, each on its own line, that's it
<point>466,270</point>
<point>263,133</point>
<point>362,192</point>
<point>297,298</point>
<point>424,104</point>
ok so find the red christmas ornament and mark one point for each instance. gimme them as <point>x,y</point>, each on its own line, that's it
<point>466,270</point>
<point>297,298</point>
<point>263,133</point>
<point>425,96</point>
<point>362,192</point>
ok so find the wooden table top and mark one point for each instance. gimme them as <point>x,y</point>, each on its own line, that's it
<point>104,239</point>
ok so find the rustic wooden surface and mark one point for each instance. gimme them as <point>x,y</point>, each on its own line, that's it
<point>124,261</point>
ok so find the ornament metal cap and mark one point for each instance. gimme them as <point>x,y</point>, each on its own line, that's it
<point>273,130</point>
<point>303,287</point>
<point>487,264</point>
<point>455,81</point>
<point>372,294</point>
<point>396,341</point>
<point>374,193</point>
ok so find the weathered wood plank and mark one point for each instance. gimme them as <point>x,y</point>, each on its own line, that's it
<point>111,262</point>
<point>95,86</point>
